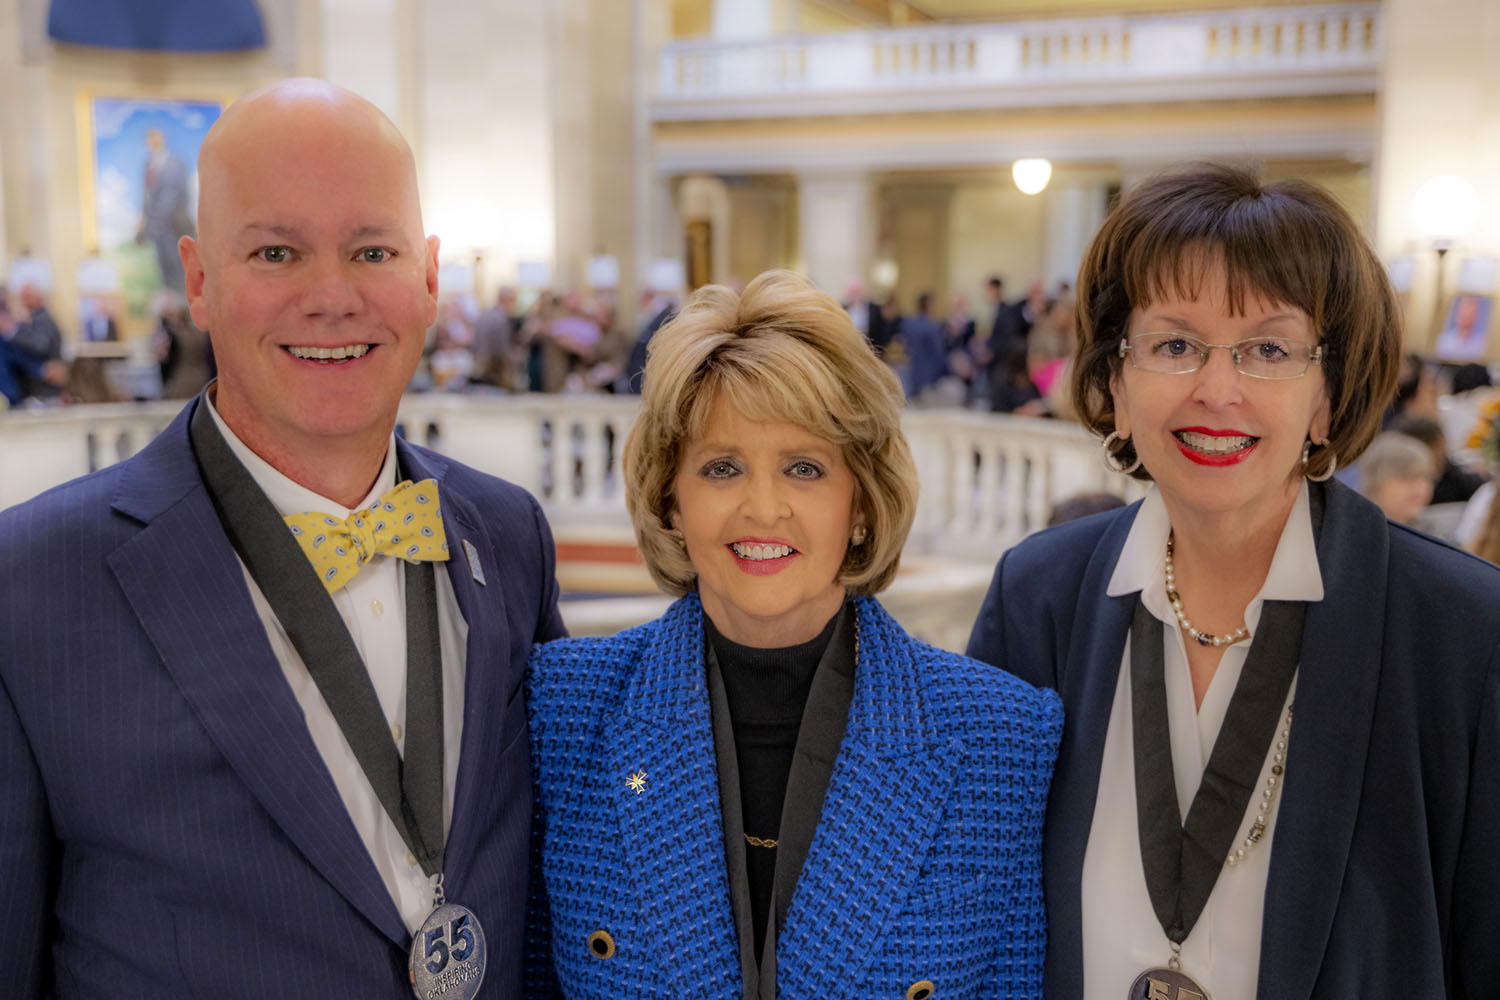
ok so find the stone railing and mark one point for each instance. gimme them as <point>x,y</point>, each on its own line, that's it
<point>1244,53</point>
<point>41,448</point>
<point>986,481</point>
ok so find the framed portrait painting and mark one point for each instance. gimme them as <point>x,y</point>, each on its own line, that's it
<point>1465,333</point>
<point>140,190</point>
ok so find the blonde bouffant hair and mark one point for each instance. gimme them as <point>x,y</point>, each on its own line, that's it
<point>780,351</point>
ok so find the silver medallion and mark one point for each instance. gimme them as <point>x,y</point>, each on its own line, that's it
<point>1166,984</point>
<point>448,955</point>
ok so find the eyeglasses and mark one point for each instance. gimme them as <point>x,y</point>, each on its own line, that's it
<point>1258,357</point>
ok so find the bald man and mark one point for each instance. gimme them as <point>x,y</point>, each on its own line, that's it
<point>261,732</point>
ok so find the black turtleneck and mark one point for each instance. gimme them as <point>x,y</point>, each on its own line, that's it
<point>766,690</point>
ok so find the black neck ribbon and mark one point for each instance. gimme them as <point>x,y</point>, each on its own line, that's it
<point>410,789</point>
<point>1182,860</point>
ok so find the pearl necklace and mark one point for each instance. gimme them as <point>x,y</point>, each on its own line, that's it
<point>1202,638</point>
<point>1267,797</point>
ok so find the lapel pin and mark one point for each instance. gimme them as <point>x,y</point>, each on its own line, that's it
<point>475,569</point>
<point>637,782</point>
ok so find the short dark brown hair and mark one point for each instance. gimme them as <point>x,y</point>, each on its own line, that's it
<point>1288,242</point>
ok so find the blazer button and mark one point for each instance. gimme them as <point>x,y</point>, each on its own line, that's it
<point>923,990</point>
<point>601,945</point>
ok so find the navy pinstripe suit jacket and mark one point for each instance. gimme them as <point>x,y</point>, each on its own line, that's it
<point>167,828</point>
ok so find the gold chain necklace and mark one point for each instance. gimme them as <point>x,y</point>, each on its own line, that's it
<point>770,842</point>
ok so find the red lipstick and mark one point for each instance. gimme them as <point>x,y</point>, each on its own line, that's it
<point>1214,459</point>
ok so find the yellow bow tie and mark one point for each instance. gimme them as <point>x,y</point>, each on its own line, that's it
<point>405,523</point>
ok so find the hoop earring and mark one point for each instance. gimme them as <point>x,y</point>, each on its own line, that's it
<point>1333,462</point>
<point>1112,461</point>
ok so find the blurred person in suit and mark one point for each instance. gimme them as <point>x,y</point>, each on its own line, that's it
<point>39,339</point>
<point>924,347</point>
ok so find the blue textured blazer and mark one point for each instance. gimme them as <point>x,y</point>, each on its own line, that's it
<point>1385,869</point>
<point>926,862</point>
<point>167,827</point>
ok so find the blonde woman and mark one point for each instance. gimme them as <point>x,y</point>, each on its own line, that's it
<point>773,789</point>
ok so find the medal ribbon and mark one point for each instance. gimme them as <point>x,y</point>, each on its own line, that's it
<point>1182,860</point>
<point>410,790</point>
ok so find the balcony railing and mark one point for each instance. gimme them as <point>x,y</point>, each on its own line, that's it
<point>1243,53</point>
<point>985,481</point>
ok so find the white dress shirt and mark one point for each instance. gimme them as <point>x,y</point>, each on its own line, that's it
<point>1121,934</point>
<point>373,606</point>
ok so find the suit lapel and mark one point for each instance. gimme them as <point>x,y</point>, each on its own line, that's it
<point>671,829</point>
<point>486,654</point>
<point>885,801</point>
<point>1337,678</point>
<point>1090,671</point>
<point>181,577</point>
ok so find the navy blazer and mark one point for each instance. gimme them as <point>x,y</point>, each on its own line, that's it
<point>926,862</point>
<point>167,827</point>
<point>1385,868</point>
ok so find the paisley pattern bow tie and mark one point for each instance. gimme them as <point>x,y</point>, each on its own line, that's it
<point>405,523</point>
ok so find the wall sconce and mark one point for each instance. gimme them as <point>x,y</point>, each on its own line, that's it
<point>468,229</point>
<point>1031,175</point>
<point>1443,210</point>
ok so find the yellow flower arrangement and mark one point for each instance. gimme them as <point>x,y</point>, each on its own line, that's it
<point>1485,437</point>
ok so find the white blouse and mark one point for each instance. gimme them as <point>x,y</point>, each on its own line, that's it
<point>1121,935</point>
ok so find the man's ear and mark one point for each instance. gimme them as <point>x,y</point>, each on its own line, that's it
<point>192,269</point>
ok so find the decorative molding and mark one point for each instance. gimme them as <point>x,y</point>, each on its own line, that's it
<point>1240,54</point>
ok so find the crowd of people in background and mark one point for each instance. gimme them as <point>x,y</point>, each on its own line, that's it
<point>1009,356</point>
<point>1433,467</point>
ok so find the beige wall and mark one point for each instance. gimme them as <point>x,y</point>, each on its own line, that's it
<point>528,111</point>
<point>763,231</point>
<point>948,231</point>
<point>995,230</point>
<point>1439,114</point>
<point>913,229</point>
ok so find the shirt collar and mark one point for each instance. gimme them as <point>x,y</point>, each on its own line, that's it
<point>289,496</point>
<point>1294,573</point>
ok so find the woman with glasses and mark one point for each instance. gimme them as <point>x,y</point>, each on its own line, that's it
<point>1238,342</point>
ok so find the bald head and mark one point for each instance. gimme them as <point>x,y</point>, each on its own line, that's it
<point>313,277</point>
<point>302,115</point>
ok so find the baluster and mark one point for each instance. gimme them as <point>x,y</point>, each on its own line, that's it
<point>991,468</point>
<point>595,459</point>
<point>960,477</point>
<point>1039,495</point>
<point>1014,497</point>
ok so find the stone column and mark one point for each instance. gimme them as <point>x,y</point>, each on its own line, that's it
<point>368,47</point>
<point>833,228</point>
<point>1074,212</point>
